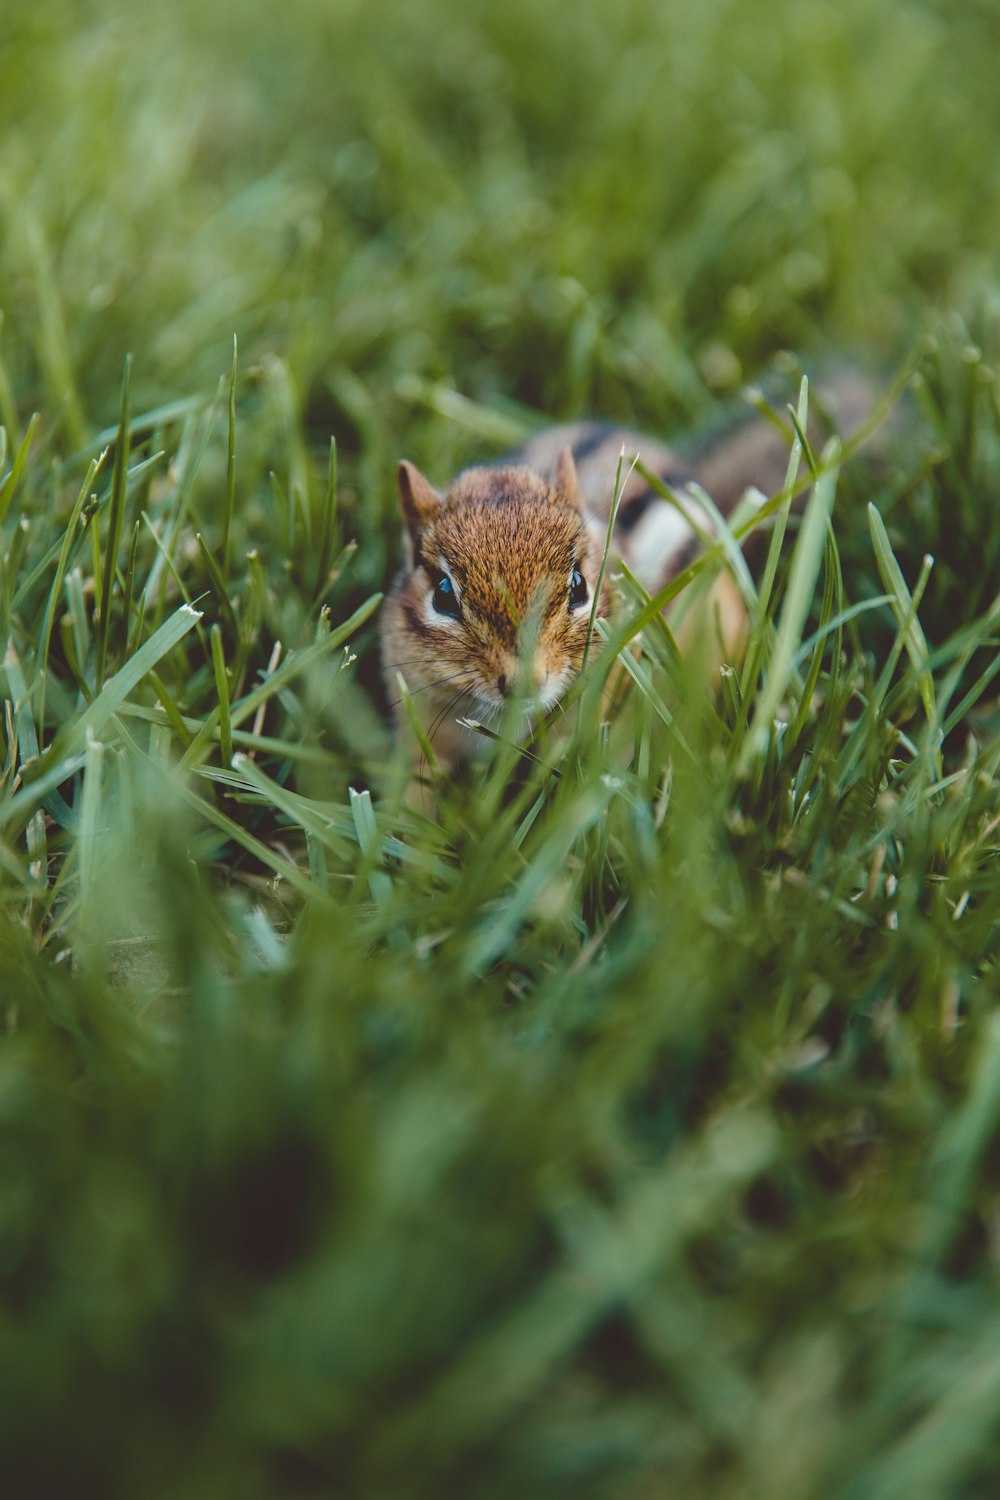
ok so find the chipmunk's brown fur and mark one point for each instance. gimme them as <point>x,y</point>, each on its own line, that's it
<point>496,592</point>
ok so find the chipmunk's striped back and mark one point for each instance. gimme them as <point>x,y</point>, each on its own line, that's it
<point>651,534</point>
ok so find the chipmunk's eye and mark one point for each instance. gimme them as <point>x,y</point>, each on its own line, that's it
<point>577,589</point>
<point>445,599</point>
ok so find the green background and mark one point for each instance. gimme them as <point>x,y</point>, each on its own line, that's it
<point>630,1128</point>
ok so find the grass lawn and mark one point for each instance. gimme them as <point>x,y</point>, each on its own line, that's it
<point>630,1127</point>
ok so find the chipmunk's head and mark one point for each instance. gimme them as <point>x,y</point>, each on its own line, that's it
<point>500,588</point>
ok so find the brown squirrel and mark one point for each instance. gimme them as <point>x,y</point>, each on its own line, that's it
<point>496,592</point>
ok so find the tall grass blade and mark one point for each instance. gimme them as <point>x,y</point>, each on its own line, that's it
<point>901,599</point>
<point>230,467</point>
<point>8,489</point>
<point>222,689</point>
<point>115,522</point>
<point>329,522</point>
<point>93,719</point>
<point>795,607</point>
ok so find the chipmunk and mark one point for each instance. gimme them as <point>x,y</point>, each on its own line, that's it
<point>496,592</point>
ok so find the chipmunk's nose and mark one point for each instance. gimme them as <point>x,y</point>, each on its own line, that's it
<point>539,677</point>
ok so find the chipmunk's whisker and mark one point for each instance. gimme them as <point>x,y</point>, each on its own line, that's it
<point>438,682</point>
<point>397,666</point>
<point>440,717</point>
<point>436,723</point>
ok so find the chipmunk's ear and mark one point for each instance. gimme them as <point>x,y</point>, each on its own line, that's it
<point>567,486</point>
<point>418,499</point>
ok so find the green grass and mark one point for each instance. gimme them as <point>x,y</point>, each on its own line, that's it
<point>629,1128</point>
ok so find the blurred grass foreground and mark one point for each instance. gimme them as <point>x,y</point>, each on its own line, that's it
<point>631,1127</point>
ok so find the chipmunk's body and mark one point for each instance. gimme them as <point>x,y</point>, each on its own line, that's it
<point>497,589</point>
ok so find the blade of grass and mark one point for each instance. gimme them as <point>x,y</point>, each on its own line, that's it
<point>495,932</point>
<point>798,597</point>
<point>185,728</point>
<point>238,834</point>
<point>222,689</point>
<point>332,824</point>
<point>730,547</point>
<point>289,669</point>
<point>230,466</point>
<point>27,749</point>
<point>68,540</point>
<point>854,746</point>
<point>328,522</point>
<point>608,534</point>
<point>643,682</point>
<point>87,844</point>
<point>833,596</point>
<point>129,585</point>
<point>842,617</point>
<point>77,608</point>
<point>169,712</point>
<point>216,581</point>
<point>8,406</point>
<point>8,489</point>
<point>416,724</point>
<point>895,585</point>
<point>28,797</point>
<point>107,702</point>
<point>8,576</point>
<point>759,638</point>
<point>115,522</point>
<point>379,883</point>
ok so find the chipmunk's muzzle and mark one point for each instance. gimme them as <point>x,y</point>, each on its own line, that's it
<point>529,680</point>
